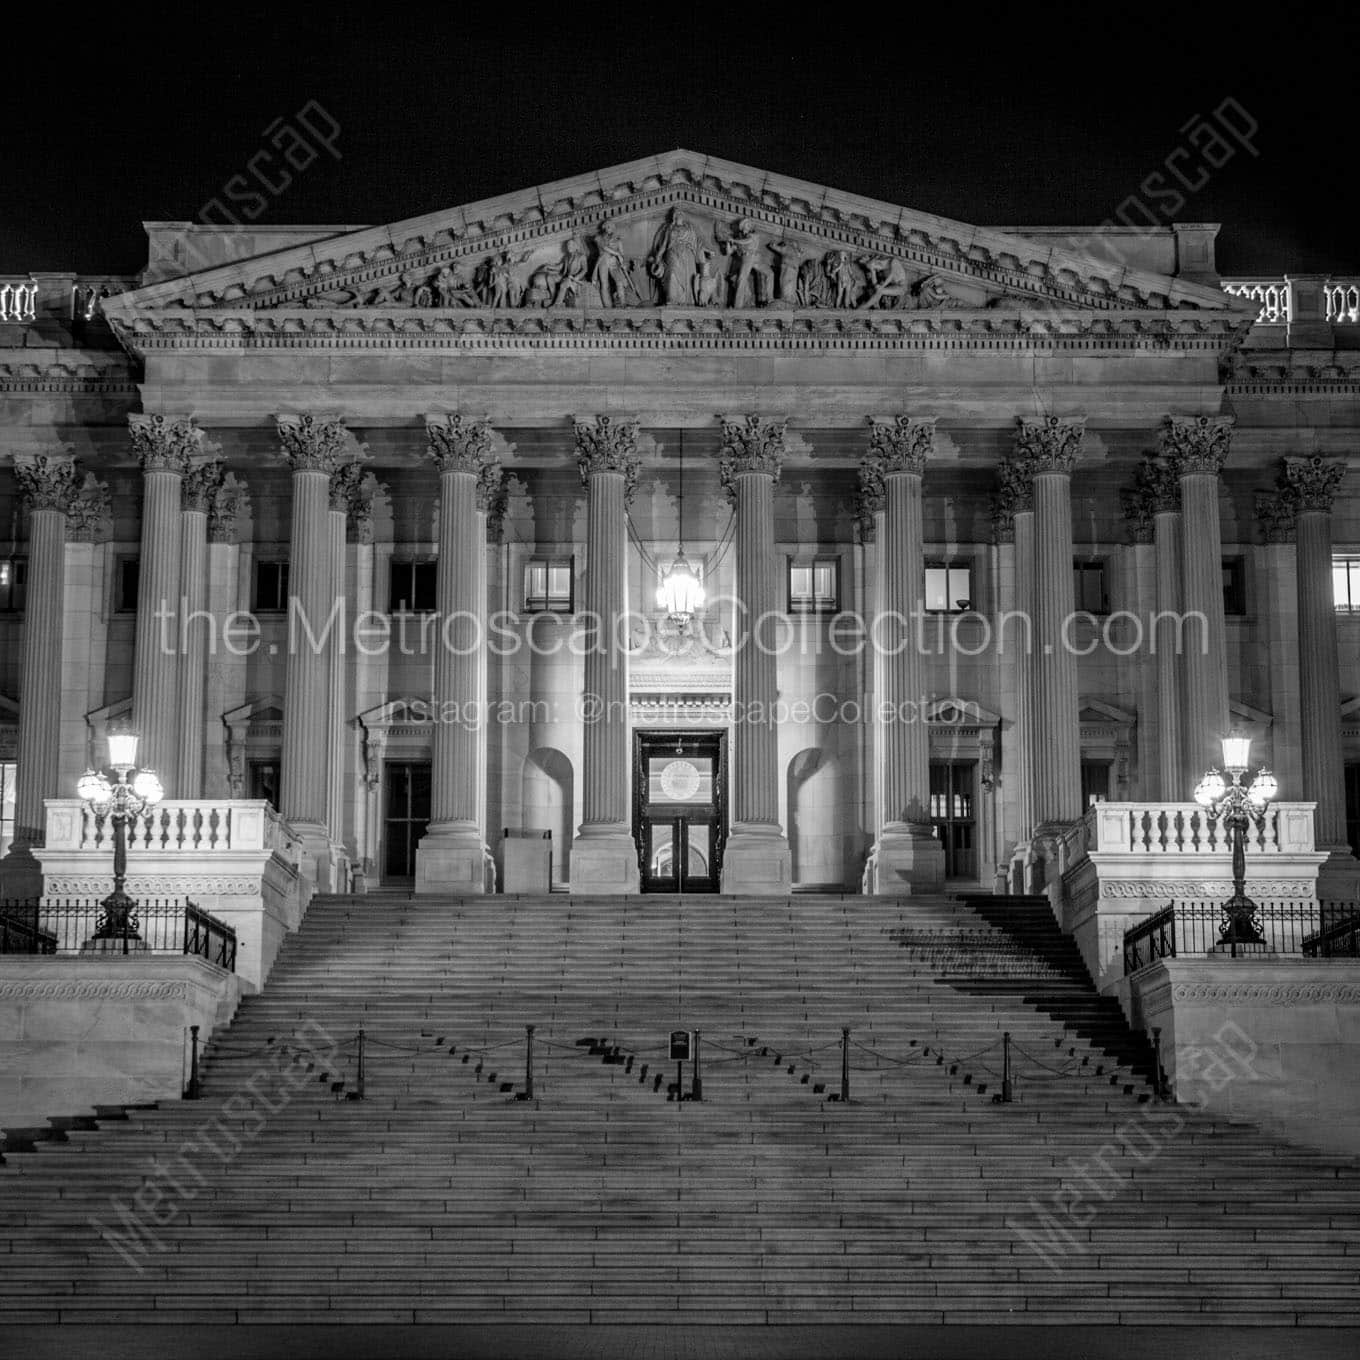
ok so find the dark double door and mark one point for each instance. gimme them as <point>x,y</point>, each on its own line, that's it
<point>680,809</point>
<point>406,814</point>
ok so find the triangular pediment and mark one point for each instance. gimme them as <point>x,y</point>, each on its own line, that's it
<point>679,233</point>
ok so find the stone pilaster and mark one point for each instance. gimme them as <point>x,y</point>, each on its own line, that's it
<point>165,447</point>
<point>47,485</point>
<point>450,857</point>
<point>1197,446</point>
<point>200,486</point>
<point>1277,610</point>
<point>312,448</point>
<point>1047,447</point>
<point>1311,484</point>
<point>225,680</point>
<point>338,495</point>
<point>906,856</point>
<point>603,856</point>
<point>756,859</point>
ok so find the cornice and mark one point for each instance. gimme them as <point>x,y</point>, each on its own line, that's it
<point>62,378</point>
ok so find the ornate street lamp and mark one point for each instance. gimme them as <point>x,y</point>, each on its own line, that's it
<point>680,593</point>
<point>122,803</point>
<point>1238,808</point>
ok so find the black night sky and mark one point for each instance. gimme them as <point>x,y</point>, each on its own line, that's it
<point>1040,114</point>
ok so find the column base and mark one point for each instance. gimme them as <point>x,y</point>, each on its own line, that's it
<point>322,864</point>
<point>21,876</point>
<point>1338,875</point>
<point>604,862</point>
<point>757,862</point>
<point>451,860</point>
<point>905,861</point>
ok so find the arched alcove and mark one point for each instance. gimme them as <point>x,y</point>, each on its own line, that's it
<point>815,796</point>
<point>546,798</point>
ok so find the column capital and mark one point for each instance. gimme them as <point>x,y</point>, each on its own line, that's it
<point>901,443</point>
<point>493,496</point>
<point>1156,490</point>
<point>200,485</point>
<point>89,517</point>
<point>1312,483</point>
<point>458,442</point>
<point>608,444</point>
<point>1196,444</point>
<point>1048,443</point>
<point>1014,495</point>
<point>750,443</point>
<point>164,443</point>
<point>309,443</point>
<point>228,501</point>
<point>1276,514</point>
<point>352,491</point>
<point>46,481</point>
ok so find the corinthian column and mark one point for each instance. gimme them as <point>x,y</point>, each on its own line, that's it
<point>603,856</point>
<point>165,448</point>
<point>200,486</point>
<point>1312,483</point>
<point>756,858</point>
<point>1197,446</point>
<point>311,448</point>
<point>47,485</point>
<point>1048,446</point>
<point>449,858</point>
<point>907,855</point>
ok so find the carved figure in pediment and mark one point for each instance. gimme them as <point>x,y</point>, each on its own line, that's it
<point>752,287</point>
<point>500,289</point>
<point>610,276</point>
<point>887,281</point>
<point>709,287</point>
<point>846,278</point>
<point>572,272</point>
<point>791,256</point>
<point>813,283</point>
<point>1009,302</point>
<point>674,260</point>
<point>931,293</point>
<point>452,287</point>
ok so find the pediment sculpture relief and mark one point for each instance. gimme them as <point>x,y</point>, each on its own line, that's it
<point>680,259</point>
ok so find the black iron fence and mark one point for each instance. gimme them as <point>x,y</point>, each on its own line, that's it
<point>80,928</point>
<point>1197,929</point>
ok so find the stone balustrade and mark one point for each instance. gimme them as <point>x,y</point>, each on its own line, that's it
<point>1282,301</point>
<point>1186,829</point>
<point>18,297</point>
<point>175,827</point>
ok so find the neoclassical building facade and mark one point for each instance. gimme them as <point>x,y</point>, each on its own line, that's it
<point>376,524</point>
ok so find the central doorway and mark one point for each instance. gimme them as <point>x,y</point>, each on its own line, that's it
<point>680,809</point>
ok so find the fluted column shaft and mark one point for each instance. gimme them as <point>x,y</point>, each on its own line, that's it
<point>605,739</point>
<point>755,765</point>
<point>1204,660</point>
<point>306,719</point>
<point>906,737</point>
<point>1166,542</point>
<point>1319,682</point>
<point>1022,641</point>
<point>193,664</point>
<point>156,705</point>
<point>335,706</point>
<point>482,659</point>
<point>38,761</point>
<point>458,655</point>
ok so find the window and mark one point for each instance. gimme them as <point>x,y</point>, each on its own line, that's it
<point>264,780</point>
<point>949,587</point>
<point>6,805</point>
<point>1095,782</point>
<point>1089,588</point>
<point>413,588</point>
<point>951,812</point>
<point>271,587</point>
<point>1234,586</point>
<point>815,587</point>
<point>547,587</point>
<point>13,584</point>
<point>1346,583</point>
<point>125,579</point>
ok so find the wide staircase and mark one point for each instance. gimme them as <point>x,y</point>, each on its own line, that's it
<point>432,1185</point>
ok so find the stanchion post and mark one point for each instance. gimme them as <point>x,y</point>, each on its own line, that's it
<point>360,1079</point>
<point>193,1093</point>
<point>1158,1080</point>
<point>1007,1091</point>
<point>528,1062</point>
<point>696,1091</point>
<point>845,1064</point>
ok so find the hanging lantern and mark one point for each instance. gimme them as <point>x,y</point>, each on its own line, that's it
<point>680,593</point>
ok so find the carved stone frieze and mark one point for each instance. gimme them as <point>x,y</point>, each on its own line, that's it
<point>311,444</point>
<point>165,443</point>
<point>1165,889</point>
<point>94,991</point>
<point>1268,993</point>
<point>1196,444</point>
<point>1048,443</point>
